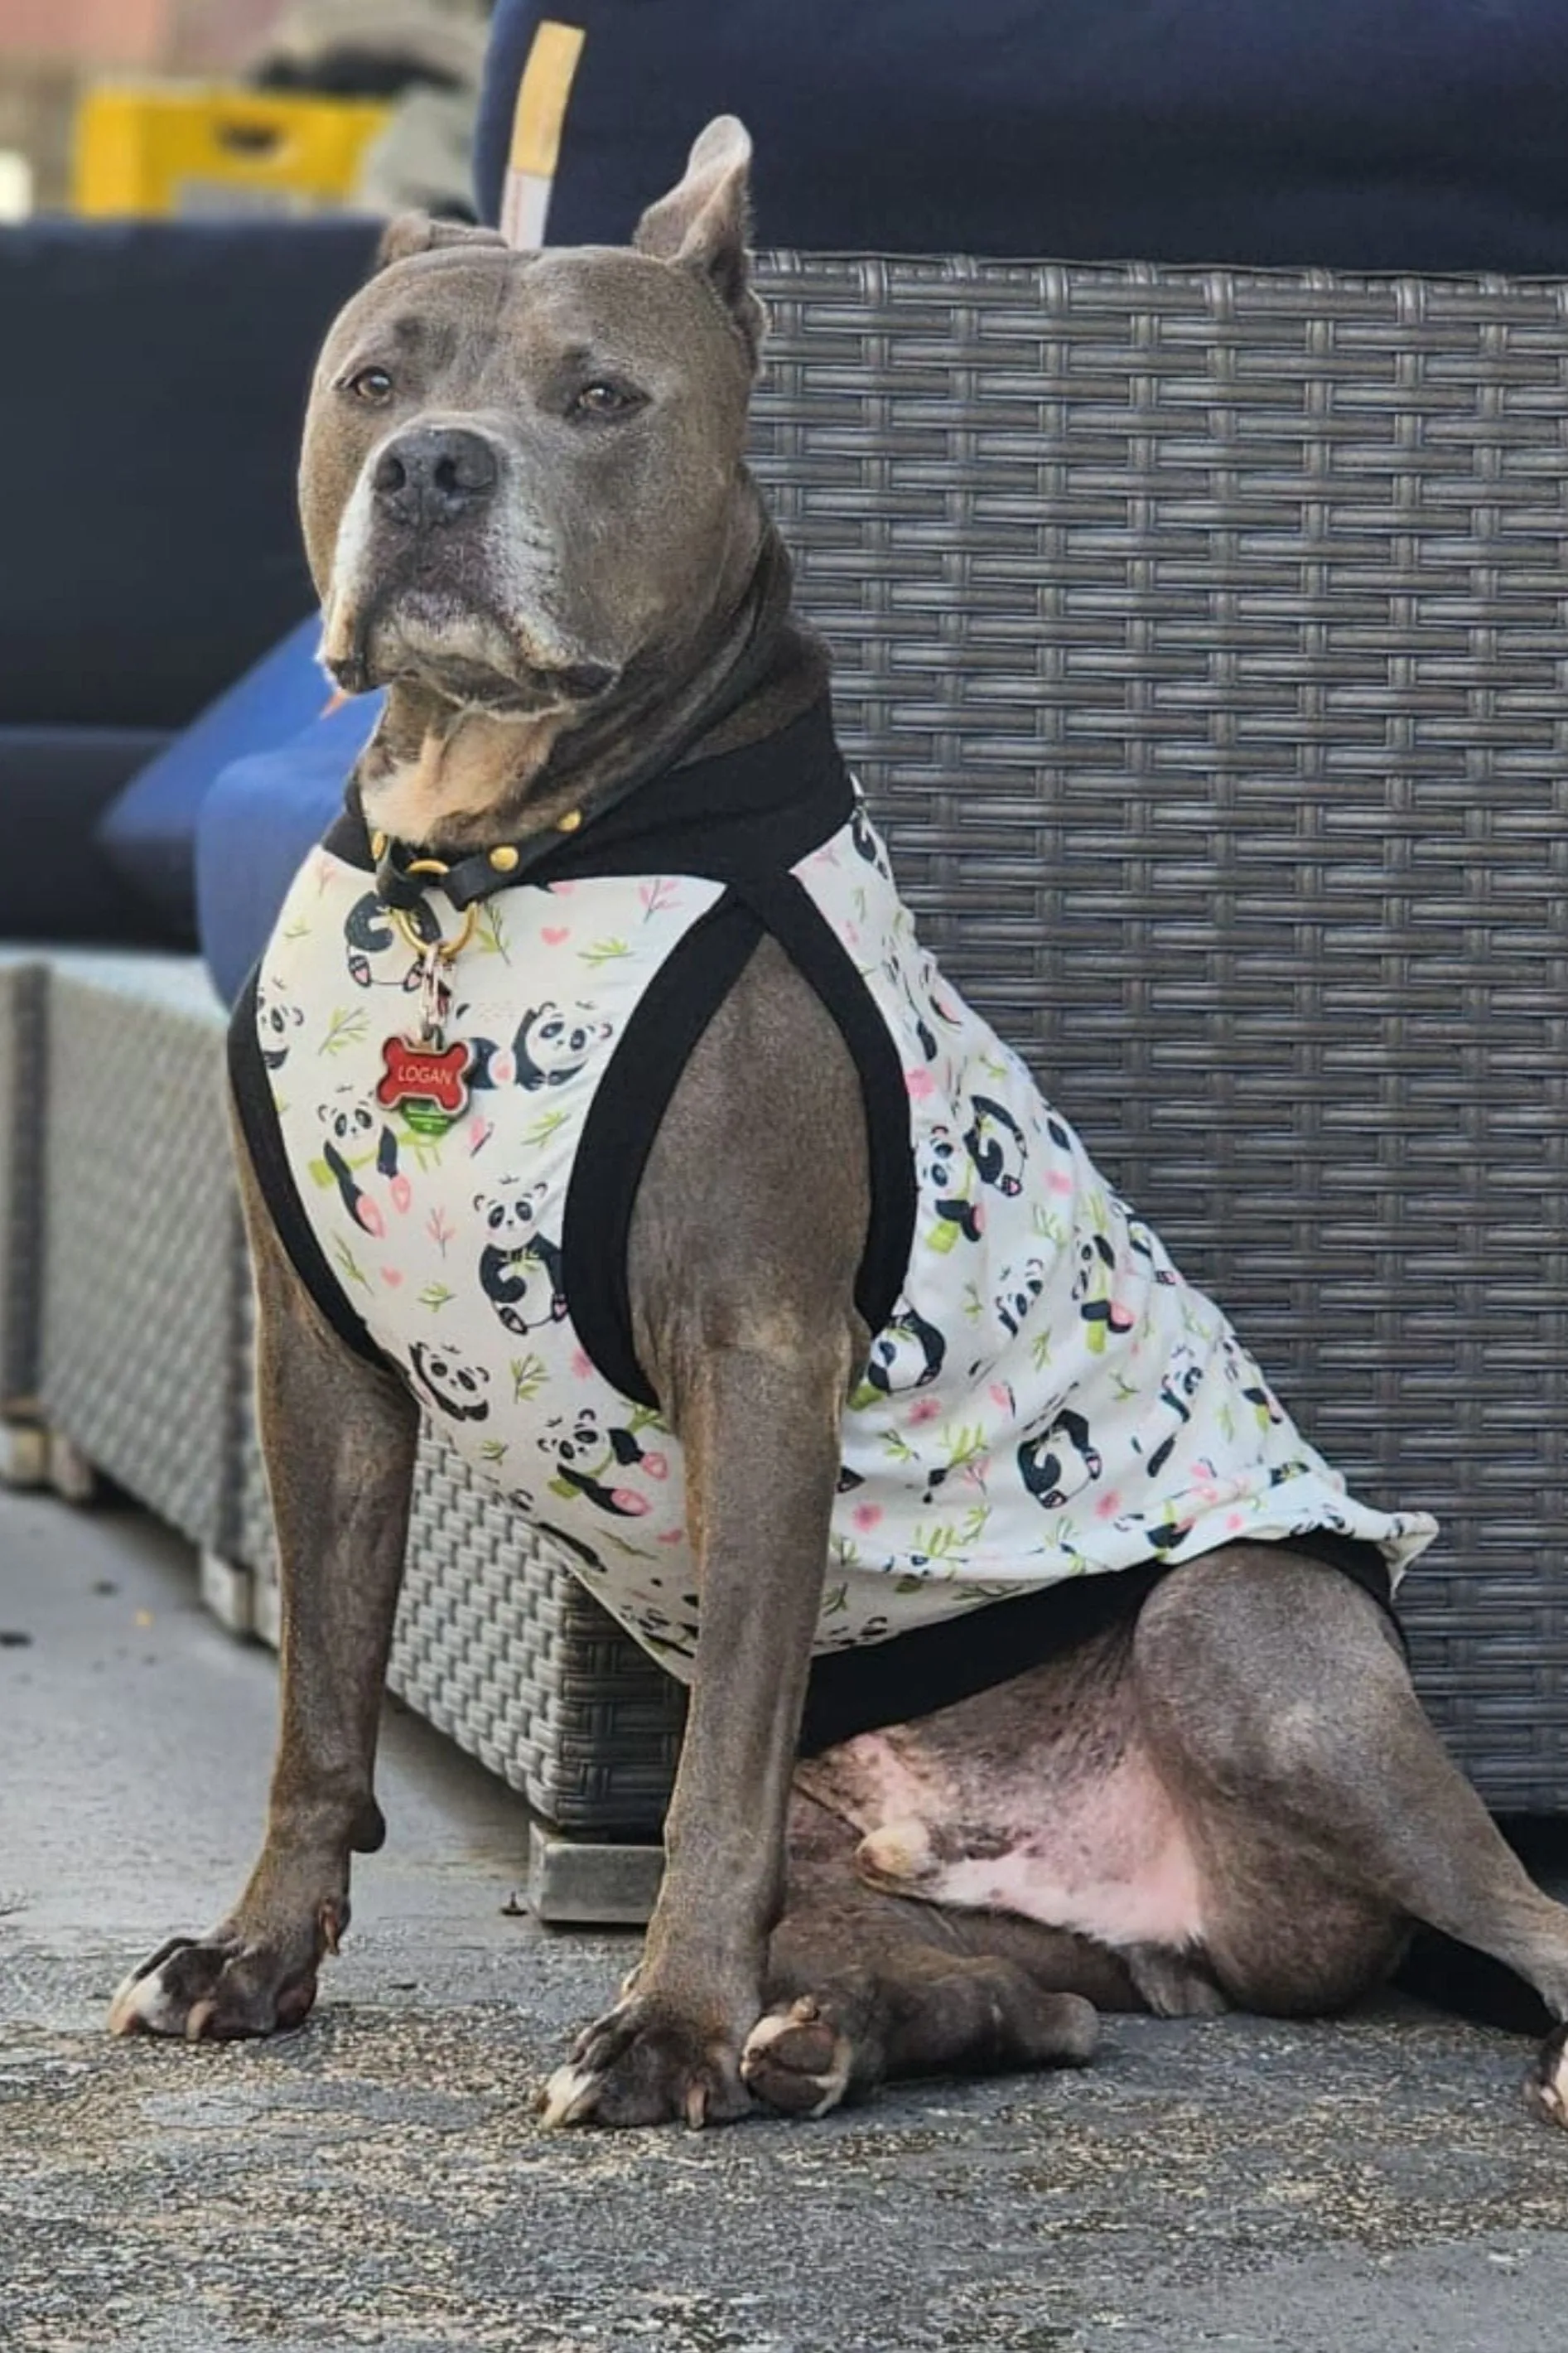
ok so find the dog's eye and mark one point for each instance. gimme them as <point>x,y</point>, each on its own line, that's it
<point>603,399</point>
<point>371,385</point>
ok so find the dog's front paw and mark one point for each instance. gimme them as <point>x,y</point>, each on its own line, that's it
<point>648,2061</point>
<point>221,1987</point>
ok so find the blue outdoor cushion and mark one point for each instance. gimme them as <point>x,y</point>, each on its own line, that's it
<point>153,385</point>
<point>149,832</point>
<point>1356,135</point>
<point>256,824</point>
<point>54,882</point>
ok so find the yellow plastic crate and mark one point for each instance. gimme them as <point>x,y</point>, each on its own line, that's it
<point>188,147</point>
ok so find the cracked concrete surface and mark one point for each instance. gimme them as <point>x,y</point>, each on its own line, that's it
<point>378,2179</point>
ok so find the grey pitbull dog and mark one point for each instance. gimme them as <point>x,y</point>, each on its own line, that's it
<point>528,513</point>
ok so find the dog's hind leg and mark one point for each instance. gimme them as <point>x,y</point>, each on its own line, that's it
<point>339,1438</point>
<point>1326,1816</point>
<point>864,1987</point>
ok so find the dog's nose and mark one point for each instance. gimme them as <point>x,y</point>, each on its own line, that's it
<point>434,475</point>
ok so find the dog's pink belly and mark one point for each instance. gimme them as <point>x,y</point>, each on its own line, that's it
<point>1102,1853</point>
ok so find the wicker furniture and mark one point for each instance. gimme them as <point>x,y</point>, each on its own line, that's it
<point>1199,639</point>
<point>23,981</point>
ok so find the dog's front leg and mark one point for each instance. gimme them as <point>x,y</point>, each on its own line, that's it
<point>672,2046</point>
<point>339,1438</point>
<point>744,1256</point>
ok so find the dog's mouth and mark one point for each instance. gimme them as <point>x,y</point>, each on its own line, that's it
<point>464,650</point>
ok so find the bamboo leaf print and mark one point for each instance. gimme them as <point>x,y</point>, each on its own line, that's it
<point>527,1377</point>
<point>967,1441</point>
<point>546,1126</point>
<point>434,1297</point>
<point>490,934</point>
<point>604,951</point>
<point>345,1259</point>
<point>973,1527</point>
<point>347,1027</point>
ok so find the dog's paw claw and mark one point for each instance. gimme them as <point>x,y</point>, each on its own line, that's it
<point>1546,2086</point>
<point>568,2098</point>
<point>797,2059</point>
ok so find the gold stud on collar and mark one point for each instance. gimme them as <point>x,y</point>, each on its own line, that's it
<point>504,858</point>
<point>570,822</point>
<point>378,845</point>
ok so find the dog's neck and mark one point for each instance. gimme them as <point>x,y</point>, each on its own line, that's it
<point>455,778</point>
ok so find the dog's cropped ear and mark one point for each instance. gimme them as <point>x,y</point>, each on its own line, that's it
<point>412,233</point>
<point>704,224</point>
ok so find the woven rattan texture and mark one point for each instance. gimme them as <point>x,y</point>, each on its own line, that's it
<point>22,987</point>
<point>142,1258</point>
<point>1200,639</point>
<point>498,1645</point>
<point>503,1649</point>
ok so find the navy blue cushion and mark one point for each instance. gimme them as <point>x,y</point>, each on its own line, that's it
<point>256,824</point>
<point>54,882</point>
<point>153,386</point>
<point>149,833</point>
<point>1357,135</point>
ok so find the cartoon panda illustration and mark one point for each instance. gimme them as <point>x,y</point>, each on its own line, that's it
<point>995,1144</point>
<point>862,833</point>
<point>1180,1383</point>
<point>585,1456</point>
<point>358,1136</point>
<point>906,1355</point>
<point>276,1021</point>
<point>1013,1304</point>
<point>1058,1461</point>
<point>373,942</point>
<point>520,1267</point>
<point>1094,1288</point>
<point>444,1380</point>
<point>1143,1240</point>
<point>552,1044</point>
<point>942,1180</point>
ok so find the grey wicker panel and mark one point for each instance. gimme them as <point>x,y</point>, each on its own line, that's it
<point>498,1645</point>
<point>1199,637</point>
<point>22,998</point>
<point>143,1264</point>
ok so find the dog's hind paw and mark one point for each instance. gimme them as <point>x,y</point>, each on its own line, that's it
<point>1546,2085</point>
<point>797,2059</point>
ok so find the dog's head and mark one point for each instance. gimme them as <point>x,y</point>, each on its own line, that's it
<point>520,470</point>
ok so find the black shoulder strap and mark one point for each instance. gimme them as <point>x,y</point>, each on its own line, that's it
<point>257,1117</point>
<point>644,1071</point>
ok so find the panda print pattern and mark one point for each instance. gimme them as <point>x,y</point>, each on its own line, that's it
<point>1047,1397</point>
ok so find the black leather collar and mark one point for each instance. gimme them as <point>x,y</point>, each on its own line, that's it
<point>753,811</point>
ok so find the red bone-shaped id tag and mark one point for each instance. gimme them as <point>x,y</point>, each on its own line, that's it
<point>428,1084</point>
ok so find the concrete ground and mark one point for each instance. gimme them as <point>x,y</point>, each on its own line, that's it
<point>378,2179</point>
